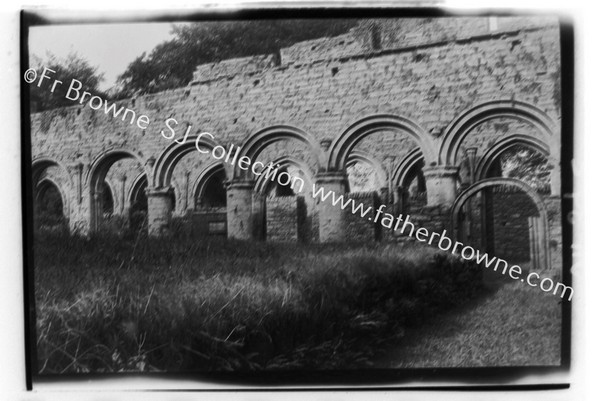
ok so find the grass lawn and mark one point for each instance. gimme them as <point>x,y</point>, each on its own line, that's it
<point>112,304</point>
<point>514,325</point>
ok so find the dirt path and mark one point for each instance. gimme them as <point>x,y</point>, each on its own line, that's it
<point>515,326</point>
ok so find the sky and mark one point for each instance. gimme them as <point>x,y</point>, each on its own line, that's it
<point>110,47</point>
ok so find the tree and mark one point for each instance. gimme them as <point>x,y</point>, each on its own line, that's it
<point>172,63</point>
<point>72,67</point>
<point>527,165</point>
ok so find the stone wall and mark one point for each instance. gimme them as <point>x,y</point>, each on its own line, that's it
<point>357,228</point>
<point>212,223</point>
<point>286,216</point>
<point>416,79</point>
<point>510,226</point>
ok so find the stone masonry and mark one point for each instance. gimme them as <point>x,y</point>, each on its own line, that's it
<point>439,99</point>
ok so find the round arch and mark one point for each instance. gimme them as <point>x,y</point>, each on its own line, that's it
<point>49,181</point>
<point>136,187</point>
<point>168,159</point>
<point>464,196</point>
<point>343,145</point>
<point>265,137</point>
<point>402,171</point>
<point>461,126</point>
<point>203,178</point>
<point>39,165</point>
<point>261,185</point>
<point>96,176</point>
<point>360,156</point>
<point>486,160</point>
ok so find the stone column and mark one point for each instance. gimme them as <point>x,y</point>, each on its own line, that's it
<point>159,211</point>
<point>123,208</point>
<point>239,209</point>
<point>441,185</point>
<point>331,225</point>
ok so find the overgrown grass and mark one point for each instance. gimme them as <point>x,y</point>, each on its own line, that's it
<point>124,304</point>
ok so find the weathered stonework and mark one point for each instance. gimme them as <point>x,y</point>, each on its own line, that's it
<point>407,97</point>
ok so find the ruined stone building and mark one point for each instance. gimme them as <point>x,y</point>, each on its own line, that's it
<point>424,115</point>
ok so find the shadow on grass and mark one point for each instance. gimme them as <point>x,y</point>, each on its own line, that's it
<point>507,324</point>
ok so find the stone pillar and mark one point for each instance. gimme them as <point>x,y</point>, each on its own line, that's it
<point>331,225</point>
<point>239,209</point>
<point>123,208</point>
<point>159,211</point>
<point>441,184</point>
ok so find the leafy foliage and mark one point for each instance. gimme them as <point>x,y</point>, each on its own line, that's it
<point>72,67</point>
<point>172,63</point>
<point>527,165</point>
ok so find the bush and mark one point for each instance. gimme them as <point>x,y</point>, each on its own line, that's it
<point>136,304</point>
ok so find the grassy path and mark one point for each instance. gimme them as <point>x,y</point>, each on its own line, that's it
<point>514,326</point>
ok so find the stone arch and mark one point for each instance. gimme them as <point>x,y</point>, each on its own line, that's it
<point>380,171</point>
<point>49,181</point>
<point>303,204</point>
<point>261,184</point>
<point>342,147</point>
<point>467,121</point>
<point>403,175</point>
<point>203,178</point>
<point>402,171</point>
<point>263,138</point>
<point>464,196</point>
<point>498,148</point>
<point>96,176</point>
<point>136,187</point>
<point>40,165</point>
<point>168,159</point>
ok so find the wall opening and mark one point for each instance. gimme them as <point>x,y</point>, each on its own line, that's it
<point>111,178</point>
<point>210,205</point>
<point>49,206</point>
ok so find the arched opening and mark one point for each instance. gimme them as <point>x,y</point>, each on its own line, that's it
<point>51,184</point>
<point>508,219</point>
<point>109,177</point>
<point>269,143</point>
<point>274,204</point>
<point>409,185</point>
<point>49,206</point>
<point>415,191</point>
<point>284,211</point>
<point>365,173</point>
<point>275,189</point>
<point>395,137</point>
<point>523,163</point>
<point>210,203</point>
<point>213,194</point>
